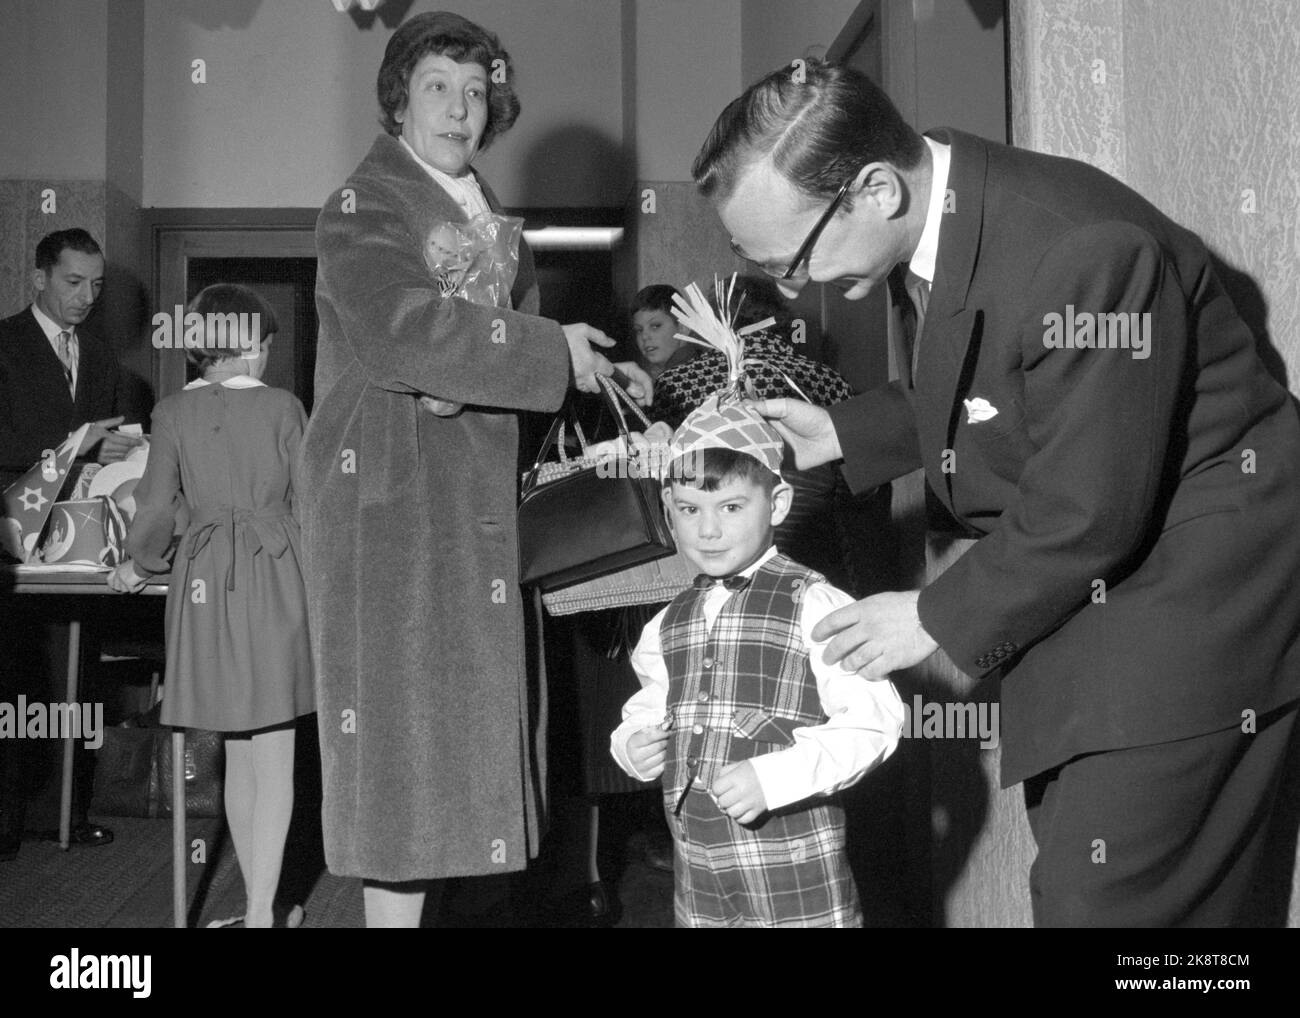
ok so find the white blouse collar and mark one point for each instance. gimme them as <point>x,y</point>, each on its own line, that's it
<point>233,382</point>
<point>463,190</point>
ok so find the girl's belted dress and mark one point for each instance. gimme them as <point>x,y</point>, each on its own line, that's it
<point>221,462</point>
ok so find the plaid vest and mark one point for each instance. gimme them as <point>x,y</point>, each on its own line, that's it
<point>742,688</point>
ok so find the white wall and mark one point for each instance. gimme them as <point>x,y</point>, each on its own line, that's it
<point>289,107</point>
<point>687,69</point>
<point>53,66</point>
<point>778,31</point>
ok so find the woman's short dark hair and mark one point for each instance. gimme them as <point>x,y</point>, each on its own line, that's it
<point>225,299</point>
<point>818,123</point>
<point>458,39</point>
<point>658,297</point>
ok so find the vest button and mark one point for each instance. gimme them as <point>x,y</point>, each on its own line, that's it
<point>698,729</point>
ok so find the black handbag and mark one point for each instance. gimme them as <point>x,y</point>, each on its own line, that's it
<point>579,519</point>
<point>133,770</point>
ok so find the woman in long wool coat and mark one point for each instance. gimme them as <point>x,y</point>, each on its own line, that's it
<point>408,513</point>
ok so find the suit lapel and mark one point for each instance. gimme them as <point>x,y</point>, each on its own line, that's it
<point>949,324</point>
<point>48,380</point>
<point>89,372</point>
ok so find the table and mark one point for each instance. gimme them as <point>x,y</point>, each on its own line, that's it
<point>90,582</point>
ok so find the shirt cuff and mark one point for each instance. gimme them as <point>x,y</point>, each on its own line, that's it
<point>618,748</point>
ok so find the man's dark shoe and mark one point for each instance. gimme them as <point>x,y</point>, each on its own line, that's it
<point>86,834</point>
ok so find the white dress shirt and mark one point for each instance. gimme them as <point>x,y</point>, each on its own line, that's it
<point>865,718</point>
<point>924,257</point>
<point>51,328</point>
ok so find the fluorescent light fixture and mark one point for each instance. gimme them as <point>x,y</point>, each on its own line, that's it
<point>574,238</point>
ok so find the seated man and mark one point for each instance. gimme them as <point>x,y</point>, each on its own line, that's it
<point>54,377</point>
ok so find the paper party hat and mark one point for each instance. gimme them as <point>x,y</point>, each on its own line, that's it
<point>29,501</point>
<point>724,421</point>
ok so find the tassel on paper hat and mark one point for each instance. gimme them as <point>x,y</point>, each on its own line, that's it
<point>724,421</point>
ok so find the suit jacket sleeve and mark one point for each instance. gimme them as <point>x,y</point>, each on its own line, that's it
<point>877,434</point>
<point>407,336</point>
<point>1100,421</point>
<point>21,442</point>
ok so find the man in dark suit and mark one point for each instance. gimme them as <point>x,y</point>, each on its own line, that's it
<point>54,377</point>
<point>1087,402</point>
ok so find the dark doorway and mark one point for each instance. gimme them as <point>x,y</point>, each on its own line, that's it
<point>289,286</point>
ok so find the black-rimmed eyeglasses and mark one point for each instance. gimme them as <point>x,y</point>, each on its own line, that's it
<point>805,249</point>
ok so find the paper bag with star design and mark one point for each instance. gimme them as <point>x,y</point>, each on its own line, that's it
<point>83,531</point>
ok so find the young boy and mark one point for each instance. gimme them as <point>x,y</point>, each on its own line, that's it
<point>748,727</point>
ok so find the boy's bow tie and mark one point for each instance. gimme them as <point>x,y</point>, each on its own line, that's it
<point>734,582</point>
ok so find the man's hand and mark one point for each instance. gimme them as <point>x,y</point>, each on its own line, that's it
<point>738,794</point>
<point>113,447</point>
<point>125,580</point>
<point>806,429</point>
<point>97,432</point>
<point>877,635</point>
<point>648,751</point>
<point>116,447</point>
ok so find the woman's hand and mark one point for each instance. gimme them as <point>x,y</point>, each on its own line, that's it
<point>806,429</point>
<point>125,580</point>
<point>588,363</point>
<point>639,386</point>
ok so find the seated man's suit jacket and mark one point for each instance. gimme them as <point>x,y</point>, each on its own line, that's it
<point>36,410</point>
<point>1137,574</point>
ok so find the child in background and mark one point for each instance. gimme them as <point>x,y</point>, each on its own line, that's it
<point>747,725</point>
<point>238,655</point>
<point>654,328</point>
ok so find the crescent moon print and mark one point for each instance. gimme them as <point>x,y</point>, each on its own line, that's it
<point>61,537</point>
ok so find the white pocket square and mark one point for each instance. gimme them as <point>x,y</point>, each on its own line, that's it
<point>979,410</point>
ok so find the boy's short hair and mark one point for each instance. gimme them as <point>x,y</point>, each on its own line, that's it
<point>658,297</point>
<point>229,299</point>
<point>709,469</point>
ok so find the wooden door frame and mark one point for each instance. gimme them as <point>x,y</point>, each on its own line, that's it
<point>177,235</point>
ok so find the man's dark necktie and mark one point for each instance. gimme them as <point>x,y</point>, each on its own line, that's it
<point>65,355</point>
<point>734,582</point>
<point>911,296</point>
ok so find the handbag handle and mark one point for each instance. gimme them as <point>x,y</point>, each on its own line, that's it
<point>615,396</point>
<point>560,444</point>
<point>612,394</point>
